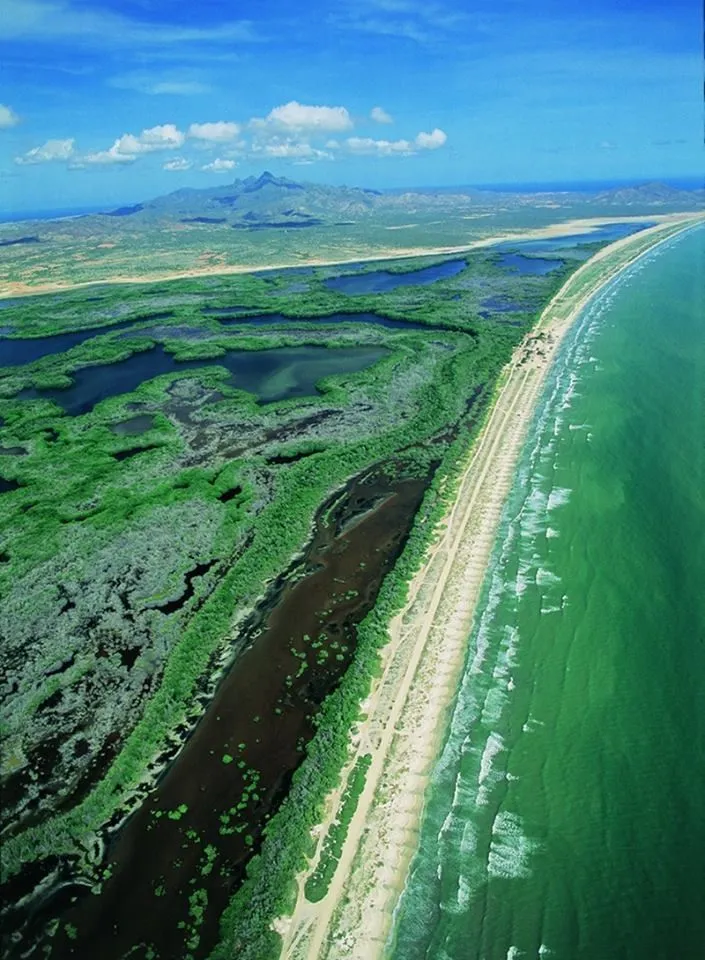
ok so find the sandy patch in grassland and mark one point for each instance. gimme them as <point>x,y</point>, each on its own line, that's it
<point>19,289</point>
<point>407,711</point>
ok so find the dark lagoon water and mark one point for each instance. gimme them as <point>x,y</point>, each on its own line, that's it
<point>6,486</point>
<point>14,352</point>
<point>530,266</point>
<point>271,375</point>
<point>564,819</point>
<point>133,426</point>
<point>382,281</point>
<point>607,233</point>
<point>267,319</point>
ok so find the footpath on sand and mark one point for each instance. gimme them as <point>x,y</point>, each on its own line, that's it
<point>406,714</point>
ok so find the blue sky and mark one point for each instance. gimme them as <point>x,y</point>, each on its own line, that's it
<point>118,100</point>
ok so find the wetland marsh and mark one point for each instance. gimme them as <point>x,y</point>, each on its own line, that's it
<point>209,523</point>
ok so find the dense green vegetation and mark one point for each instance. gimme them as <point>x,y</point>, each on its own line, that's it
<point>141,532</point>
<point>319,881</point>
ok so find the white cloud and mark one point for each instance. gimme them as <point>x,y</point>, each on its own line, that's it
<point>368,146</point>
<point>380,115</point>
<point>129,146</point>
<point>105,157</point>
<point>220,131</point>
<point>165,136</point>
<point>51,150</point>
<point>431,141</point>
<point>219,165</point>
<point>177,163</point>
<point>299,116</point>
<point>381,148</point>
<point>291,150</point>
<point>8,117</point>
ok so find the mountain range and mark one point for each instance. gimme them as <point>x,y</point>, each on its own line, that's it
<point>268,201</point>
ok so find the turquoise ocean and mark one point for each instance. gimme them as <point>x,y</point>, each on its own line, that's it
<point>566,814</point>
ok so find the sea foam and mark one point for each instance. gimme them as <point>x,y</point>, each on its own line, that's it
<point>510,848</point>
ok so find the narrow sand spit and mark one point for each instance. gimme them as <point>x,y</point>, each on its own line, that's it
<point>407,711</point>
<point>18,289</point>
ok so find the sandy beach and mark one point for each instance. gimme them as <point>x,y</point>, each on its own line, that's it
<point>405,717</point>
<point>555,230</point>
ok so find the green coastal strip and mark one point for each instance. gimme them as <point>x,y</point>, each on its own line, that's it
<point>318,883</point>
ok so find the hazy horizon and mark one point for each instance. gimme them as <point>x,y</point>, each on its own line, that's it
<point>109,100</point>
<point>683,183</point>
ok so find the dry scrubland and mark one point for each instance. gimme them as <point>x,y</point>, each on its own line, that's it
<point>69,259</point>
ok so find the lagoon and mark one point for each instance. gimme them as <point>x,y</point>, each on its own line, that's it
<point>384,281</point>
<point>271,375</point>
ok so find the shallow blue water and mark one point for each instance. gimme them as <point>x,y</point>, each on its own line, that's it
<point>382,281</point>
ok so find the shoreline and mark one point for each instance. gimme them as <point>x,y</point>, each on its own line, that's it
<point>15,290</point>
<point>406,714</point>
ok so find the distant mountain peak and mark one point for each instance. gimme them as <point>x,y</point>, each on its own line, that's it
<point>654,192</point>
<point>267,201</point>
<point>268,179</point>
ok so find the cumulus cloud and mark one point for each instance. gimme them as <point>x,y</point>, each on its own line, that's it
<point>368,146</point>
<point>165,136</point>
<point>219,165</point>
<point>380,115</point>
<point>8,117</point>
<point>431,141</point>
<point>129,146</point>
<point>104,158</point>
<point>293,131</point>
<point>177,163</point>
<point>220,131</point>
<point>51,150</point>
<point>381,148</point>
<point>291,150</point>
<point>299,116</point>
